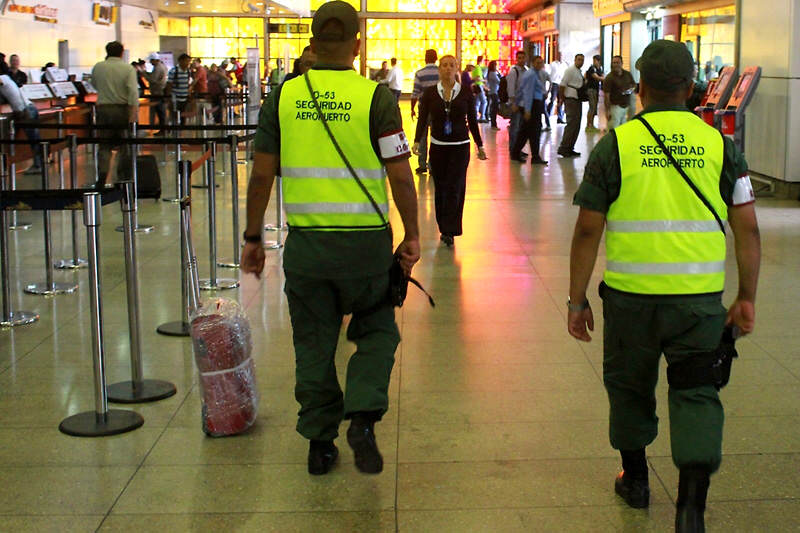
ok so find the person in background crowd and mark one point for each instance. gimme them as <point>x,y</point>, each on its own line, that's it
<point>466,77</point>
<point>556,71</point>
<point>336,261</point>
<point>217,83</point>
<point>618,85</point>
<point>513,79</point>
<point>493,85</point>
<point>237,69</point>
<point>179,81</point>
<point>200,77</point>
<point>451,112</point>
<point>427,76</point>
<point>544,76</point>
<point>531,102</point>
<point>44,71</point>
<point>19,77</point>
<point>478,82</point>
<point>277,75</point>
<point>3,64</point>
<point>138,66</point>
<point>382,73</point>
<point>395,80</point>
<point>23,111</point>
<point>302,64</point>
<point>157,78</point>
<point>662,288</point>
<point>594,77</point>
<point>568,93</point>
<point>117,105</point>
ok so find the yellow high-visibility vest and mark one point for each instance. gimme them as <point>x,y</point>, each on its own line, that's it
<point>660,237</point>
<point>319,191</point>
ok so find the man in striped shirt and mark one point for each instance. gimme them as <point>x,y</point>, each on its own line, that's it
<point>179,82</point>
<point>425,77</point>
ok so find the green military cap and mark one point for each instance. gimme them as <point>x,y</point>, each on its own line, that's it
<point>336,10</point>
<point>666,65</point>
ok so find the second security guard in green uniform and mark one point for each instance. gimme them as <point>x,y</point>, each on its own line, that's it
<point>339,248</point>
<point>664,276</point>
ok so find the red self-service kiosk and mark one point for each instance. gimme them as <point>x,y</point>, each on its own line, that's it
<point>717,95</point>
<point>731,118</point>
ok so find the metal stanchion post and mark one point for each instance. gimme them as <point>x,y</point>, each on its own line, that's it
<point>95,147</point>
<point>234,263</point>
<point>15,225</point>
<point>214,283</point>
<point>204,122</point>
<point>9,318</point>
<point>181,328</point>
<point>138,389</point>
<point>48,287</point>
<point>60,156</point>
<point>138,228</point>
<point>166,131</point>
<point>76,262</point>
<point>102,421</point>
<point>280,225</point>
<point>177,198</point>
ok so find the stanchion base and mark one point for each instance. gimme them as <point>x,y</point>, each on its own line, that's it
<point>90,424</point>
<point>48,290</point>
<point>175,329</point>
<point>147,390</point>
<point>21,226</point>
<point>228,265</point>
<point>171,200</point>
<point>140,228</point>
<point>272,245</point>
<point>221,284</point>
<point>18,318</point>
<point>70,264</point>
<point>273,227</point>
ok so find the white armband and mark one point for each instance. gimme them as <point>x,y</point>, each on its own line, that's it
<point>743,191</point>
<point>394,144</point>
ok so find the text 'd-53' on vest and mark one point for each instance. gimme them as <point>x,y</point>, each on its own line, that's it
<point>319,191</point>
<point>660,237</point>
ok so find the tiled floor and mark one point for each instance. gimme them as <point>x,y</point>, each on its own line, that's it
<point>497,419</point>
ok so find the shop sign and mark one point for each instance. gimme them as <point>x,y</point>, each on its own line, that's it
<point>104,14</point>
<point>604,8</point>
<point>547,20</point>
<point>40,12</point>
<point>149,24</point>
<point>287,28</point>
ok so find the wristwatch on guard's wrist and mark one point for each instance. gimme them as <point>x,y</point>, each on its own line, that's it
<point>251,238</point>
<point>577,307</point>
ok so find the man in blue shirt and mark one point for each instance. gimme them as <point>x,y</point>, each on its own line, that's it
<point>425,77</point>
<point>530,98</point>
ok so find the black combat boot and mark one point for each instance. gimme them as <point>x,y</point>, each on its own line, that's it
<point>632,482</point>
<point>322,456</point>
<point>361,437</point>
<point>692,491</point>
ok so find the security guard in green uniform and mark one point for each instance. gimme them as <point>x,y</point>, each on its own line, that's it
<point>665,271</point>
<point>339,249</point>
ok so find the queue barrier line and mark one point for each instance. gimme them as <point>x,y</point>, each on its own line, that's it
<point>166,127</point>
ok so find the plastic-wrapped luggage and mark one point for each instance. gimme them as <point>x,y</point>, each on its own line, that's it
<point>222,352</point>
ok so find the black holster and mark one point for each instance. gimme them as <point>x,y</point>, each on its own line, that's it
<point>712,368</point>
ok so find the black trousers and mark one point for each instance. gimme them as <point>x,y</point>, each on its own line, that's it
<point>449,170</point>
<point>494,104</point>
<point>531,131</point>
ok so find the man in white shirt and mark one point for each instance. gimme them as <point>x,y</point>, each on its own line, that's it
<point>395,79</point>
<point>556,71</point>
<point>568,94</point>
<point>24,111</point>
<point>513,77</point>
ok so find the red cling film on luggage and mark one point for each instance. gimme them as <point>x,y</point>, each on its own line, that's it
<point>223,354</point>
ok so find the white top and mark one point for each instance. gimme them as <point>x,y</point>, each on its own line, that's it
<point>512,80</point>
<point>572,81</point>
<point>12,94</point>
<point>556,70</point>
<point>395,78</point>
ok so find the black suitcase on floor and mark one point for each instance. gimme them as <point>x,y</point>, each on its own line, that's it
<point>148,178</point>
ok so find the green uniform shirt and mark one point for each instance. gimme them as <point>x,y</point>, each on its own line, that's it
<point>335,254</point>
<point>602,178</point>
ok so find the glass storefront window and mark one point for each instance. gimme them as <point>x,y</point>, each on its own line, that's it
<point>215,39</point>
<point>407,41</point>
<point>288,45</point>
<point>316,3</point>
<point>495,40</point>
<point>169,26</point>
<point>710,36</point>
<point>412,6</point>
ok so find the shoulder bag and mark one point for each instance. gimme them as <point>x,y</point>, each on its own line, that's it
<point>398,281</point>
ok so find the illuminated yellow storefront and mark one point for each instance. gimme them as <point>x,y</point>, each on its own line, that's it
<point>403,29</point>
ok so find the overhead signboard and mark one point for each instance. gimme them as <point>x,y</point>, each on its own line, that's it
<point>40,12</point>
<point>291,28</point>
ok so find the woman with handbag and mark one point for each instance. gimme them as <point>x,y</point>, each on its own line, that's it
<point>451,110</point>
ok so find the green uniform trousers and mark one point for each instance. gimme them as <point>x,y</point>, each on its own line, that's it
<point>637,330</point>
<point>317,307</point>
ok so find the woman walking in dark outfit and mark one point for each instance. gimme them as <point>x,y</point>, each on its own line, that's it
<point>449,109</point>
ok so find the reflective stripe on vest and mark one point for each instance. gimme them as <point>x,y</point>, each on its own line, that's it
<point>318,190</point>
<point>660,238</point>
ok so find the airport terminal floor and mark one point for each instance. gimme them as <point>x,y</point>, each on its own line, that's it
<point>497,419</point>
